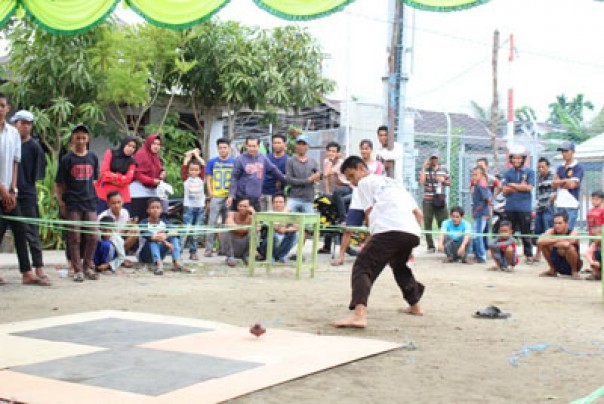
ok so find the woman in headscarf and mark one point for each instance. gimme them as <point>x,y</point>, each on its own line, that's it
<point>147,176</point>
<point>117,172</point>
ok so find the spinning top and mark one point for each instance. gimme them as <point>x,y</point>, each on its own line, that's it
<point>257,330</point>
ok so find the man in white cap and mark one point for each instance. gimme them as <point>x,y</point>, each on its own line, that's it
<point>567,182</point>
<point>10,156</point>
<point>31,169</point>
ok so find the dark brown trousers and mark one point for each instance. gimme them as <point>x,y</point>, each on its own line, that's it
<point>392,248</point>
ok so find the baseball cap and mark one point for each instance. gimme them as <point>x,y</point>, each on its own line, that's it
<point>566,146</point>
<point>22,115</point>
<point>80,127</point>
<point>303,138</point>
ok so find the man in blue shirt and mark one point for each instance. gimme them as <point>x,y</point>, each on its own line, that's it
<point>518,183</point>
<point>567,182</point>
<point>271,184</point>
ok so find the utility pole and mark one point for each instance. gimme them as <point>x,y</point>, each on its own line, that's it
<point>395,61</point>
<point>495,103</point>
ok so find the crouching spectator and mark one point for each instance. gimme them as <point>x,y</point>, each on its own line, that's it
<point>237,241</point>
<point>286,234</point>
<point>454,238</point>
<point>593,256</point>
<point>503,248</point>
<point>109,253</point>
<point>155,240</point>
<point>562,254</point>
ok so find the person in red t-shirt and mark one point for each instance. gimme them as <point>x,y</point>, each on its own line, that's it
<point>595,216</point>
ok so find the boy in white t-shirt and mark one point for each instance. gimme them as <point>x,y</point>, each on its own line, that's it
<point>394,219</point>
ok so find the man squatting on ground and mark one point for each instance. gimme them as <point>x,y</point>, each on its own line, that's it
<point>394,223</point>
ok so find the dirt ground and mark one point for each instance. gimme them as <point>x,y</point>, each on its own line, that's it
<point>457,358</point>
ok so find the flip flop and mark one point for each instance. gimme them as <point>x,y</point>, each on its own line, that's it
<point>492,312</point>
<point>38,282</point>
<point>2,281</point>
<point>336,263</point>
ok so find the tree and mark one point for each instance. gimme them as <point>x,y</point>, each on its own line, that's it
<point>241,67</point>
<point>134,62</point>
<point>53,76</point>
<point>563,109</point>
<point>570,115</point>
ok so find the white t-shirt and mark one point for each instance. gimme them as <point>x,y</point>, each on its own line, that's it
<point>121,220</point>
<point>392,205</point>
<point>194,195</point>
<point>355,202</point>
<point>395,154</point>
<point>10,152</point>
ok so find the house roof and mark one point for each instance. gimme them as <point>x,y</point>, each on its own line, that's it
<point>435,122</point>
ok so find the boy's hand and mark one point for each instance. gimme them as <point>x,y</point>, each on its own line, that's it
<point>440,247</point>
<point>461,251</point>
<point>169,246</point>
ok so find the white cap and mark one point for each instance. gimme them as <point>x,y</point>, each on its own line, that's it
<point>22,115</point>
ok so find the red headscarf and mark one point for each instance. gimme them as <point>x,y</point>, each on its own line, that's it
<point>149,163</point>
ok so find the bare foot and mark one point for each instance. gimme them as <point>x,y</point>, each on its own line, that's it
<point>415,310</point>
<point>576,277</point>
<point>40,273</point>
<point>550,272</point>
<point>357,320</point>
<point>351,322</point>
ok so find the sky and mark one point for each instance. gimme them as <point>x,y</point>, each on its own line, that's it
<point>557,51</point>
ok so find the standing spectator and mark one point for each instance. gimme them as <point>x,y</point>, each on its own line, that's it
<point>595,216</point>
<point>481,199</point>
<point>194,200</point>
<point>391,158</point>
<point>336,184</point>
<point>302,173</point>
<point>248,174</point>
<point>74,187</point>
<point>435,178</point>
<point>10,156</point>
<point>218,180</point>
<point>271,185</point>
<point>356,215</point>
<point>31,169</point>
<point>567,181</point>
<point>546,195</point>
<point>455,237</point>
<point>148,175</point>
<point>518,182</point>
<point>493,181</point>
<point>117,172</point>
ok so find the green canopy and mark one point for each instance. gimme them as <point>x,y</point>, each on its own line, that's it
<point>74,16</point>
<point>444,5</point>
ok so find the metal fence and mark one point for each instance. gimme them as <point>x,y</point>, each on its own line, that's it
<point>459,153</point>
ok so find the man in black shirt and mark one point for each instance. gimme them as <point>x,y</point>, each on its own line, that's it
<point>31,168</point>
